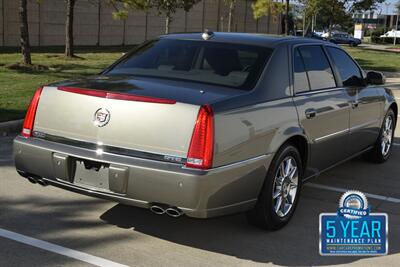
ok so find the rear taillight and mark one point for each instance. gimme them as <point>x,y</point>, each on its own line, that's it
<point>202,144</point>
<point>30,114</point>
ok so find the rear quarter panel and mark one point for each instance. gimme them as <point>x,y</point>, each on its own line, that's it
<point>254,130</point>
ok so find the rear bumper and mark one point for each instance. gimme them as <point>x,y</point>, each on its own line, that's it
<point>141,182</point>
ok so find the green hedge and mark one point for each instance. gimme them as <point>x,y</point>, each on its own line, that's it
<point>385,40</point>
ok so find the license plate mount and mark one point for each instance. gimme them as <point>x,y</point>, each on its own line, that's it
<point>92,174</point>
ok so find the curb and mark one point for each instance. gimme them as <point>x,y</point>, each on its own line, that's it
<point>379,50</point>
<point>10,127</point>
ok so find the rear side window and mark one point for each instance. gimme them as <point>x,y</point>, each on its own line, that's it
<point>226,64</point>
<point>300,75</point>
<point>317,66</point>
<point>349,72</point>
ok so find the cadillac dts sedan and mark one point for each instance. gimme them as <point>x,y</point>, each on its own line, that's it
<point>208,124</point>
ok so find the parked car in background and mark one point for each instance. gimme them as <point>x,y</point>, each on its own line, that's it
<point>315,35</point>
<point>208,124</point>
<point>344,38</point>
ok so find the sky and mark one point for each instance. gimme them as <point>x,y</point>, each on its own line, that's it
<point>390,7</point>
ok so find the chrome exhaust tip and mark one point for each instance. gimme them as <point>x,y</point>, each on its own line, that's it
<point>32,180</point>
<point>174,212</point>
<point>41,182</point>
<point>159,210</point>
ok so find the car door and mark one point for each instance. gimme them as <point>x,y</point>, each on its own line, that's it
<point>338,38</point>
<point>366,104</point>
<point>322,107</point>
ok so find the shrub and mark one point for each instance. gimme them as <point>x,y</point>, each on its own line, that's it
<point>375,35</point>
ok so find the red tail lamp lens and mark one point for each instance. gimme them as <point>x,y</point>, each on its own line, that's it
<point>201,148</point>
<point>30,114</point>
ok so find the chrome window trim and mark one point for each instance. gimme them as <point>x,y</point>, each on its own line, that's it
<point>320,91</point>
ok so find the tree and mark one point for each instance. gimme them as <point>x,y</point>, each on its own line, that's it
<point>287,17</point>
<point>164,7</point>
<point>231,4</point>
<point>268,8</point>
<point>397,21</point>
<point>309,11</point>
<point>122,7</point>
<point>336,12</point>
<point>69,29</point>
<point>169,7</point>
<point>364,5</point>
<point>24,32</point>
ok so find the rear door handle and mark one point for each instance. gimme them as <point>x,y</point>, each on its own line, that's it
<point>311,113</point>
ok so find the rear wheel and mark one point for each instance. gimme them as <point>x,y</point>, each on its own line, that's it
<point>280,193</point>
<point>383,145</point>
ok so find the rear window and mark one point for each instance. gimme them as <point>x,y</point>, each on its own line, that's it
<point>232,65</point>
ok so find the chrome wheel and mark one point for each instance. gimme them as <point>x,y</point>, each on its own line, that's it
<point>387,135</point>
<point>285,185</point>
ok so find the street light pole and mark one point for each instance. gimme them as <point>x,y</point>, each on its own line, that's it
<point>395,30</point>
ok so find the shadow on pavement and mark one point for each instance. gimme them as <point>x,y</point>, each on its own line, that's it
<point>64,222</point>
<point>294,245</point>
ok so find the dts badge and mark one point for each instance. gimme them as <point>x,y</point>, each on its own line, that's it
<point>353,230</point>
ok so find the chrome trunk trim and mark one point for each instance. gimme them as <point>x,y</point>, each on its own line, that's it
<point>109,149</point>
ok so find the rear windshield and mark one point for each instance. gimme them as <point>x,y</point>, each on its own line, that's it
<point>232,65</point>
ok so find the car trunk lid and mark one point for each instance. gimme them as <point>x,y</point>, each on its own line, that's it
<point>118,120</point>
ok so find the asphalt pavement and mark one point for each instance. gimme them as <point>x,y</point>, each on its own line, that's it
<point>47,226</point>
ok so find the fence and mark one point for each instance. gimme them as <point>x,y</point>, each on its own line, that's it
<point>94,24</point>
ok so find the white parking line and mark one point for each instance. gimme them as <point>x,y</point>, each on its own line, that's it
<point>97,261</point>
<point>342,190</point>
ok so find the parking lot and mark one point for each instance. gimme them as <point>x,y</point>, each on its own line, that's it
<point>47,226</point>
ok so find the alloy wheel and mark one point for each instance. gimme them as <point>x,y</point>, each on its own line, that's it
<point>387,135</point>
<point>285,186</point>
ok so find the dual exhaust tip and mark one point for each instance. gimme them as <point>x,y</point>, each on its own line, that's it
<point>161,209</point>
<point>36,180</point>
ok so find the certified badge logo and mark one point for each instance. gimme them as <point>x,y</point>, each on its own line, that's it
<point>353,205</point>
<point>353,230</point>
<point>101,117</point>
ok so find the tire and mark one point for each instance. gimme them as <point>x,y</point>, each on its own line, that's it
<point>352,44</point>
<point>264,214</point>
<point>379,153</point>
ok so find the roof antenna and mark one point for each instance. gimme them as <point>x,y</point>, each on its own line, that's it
<point>207,34</point>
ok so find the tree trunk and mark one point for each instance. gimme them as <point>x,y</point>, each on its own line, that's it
<point>269,20</point>
<point>331,19</point>
<point>397,27</point>
<point>167,23</point>
<point>287,18</point>
<point>23,20</point>
<point>230,17</point>
<point>69,29</point>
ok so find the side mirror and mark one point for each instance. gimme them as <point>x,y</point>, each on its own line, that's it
<point>374,77</point>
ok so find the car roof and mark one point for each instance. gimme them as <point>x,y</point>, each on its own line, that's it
<point>266,40</point>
